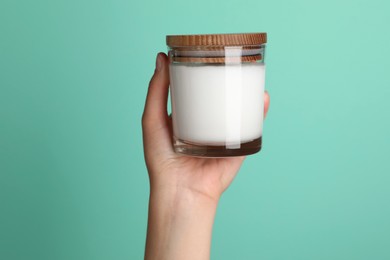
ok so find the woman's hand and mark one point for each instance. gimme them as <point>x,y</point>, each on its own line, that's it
<point>184,190</point>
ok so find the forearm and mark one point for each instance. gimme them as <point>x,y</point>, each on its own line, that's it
<point>180,225</point>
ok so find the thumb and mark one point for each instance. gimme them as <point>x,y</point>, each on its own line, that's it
<point>155,112</point>
<point>155,121</point>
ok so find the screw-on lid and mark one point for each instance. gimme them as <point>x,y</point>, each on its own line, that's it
<point>240,39</point>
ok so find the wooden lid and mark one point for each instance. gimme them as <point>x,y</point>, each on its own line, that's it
<point>241,39</point>
<point>238,59</point>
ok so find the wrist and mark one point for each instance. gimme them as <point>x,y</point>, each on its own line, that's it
<point>180,223</point>
<point>177,198</point>
<point>177,186</point>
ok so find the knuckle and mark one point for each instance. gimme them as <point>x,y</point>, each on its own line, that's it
<point>144,120</point>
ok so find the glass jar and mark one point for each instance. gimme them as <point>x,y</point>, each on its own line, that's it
<point>217,93</point>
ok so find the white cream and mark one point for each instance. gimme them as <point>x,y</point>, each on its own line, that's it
<point>217,104</point>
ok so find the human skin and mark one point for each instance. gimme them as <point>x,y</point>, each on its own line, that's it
<point>184,190</point>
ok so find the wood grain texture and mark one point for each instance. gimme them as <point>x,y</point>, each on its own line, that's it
<point>217,60</point>
<point>241,39</point>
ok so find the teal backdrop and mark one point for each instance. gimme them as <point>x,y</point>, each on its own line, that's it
<point>73,80</point>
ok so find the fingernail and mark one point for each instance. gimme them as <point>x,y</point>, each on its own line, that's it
<point>158,62</point>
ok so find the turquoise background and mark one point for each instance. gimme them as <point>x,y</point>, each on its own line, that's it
<point>73,80</point>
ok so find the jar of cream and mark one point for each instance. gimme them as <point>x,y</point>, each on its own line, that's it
<point>217,91</point>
